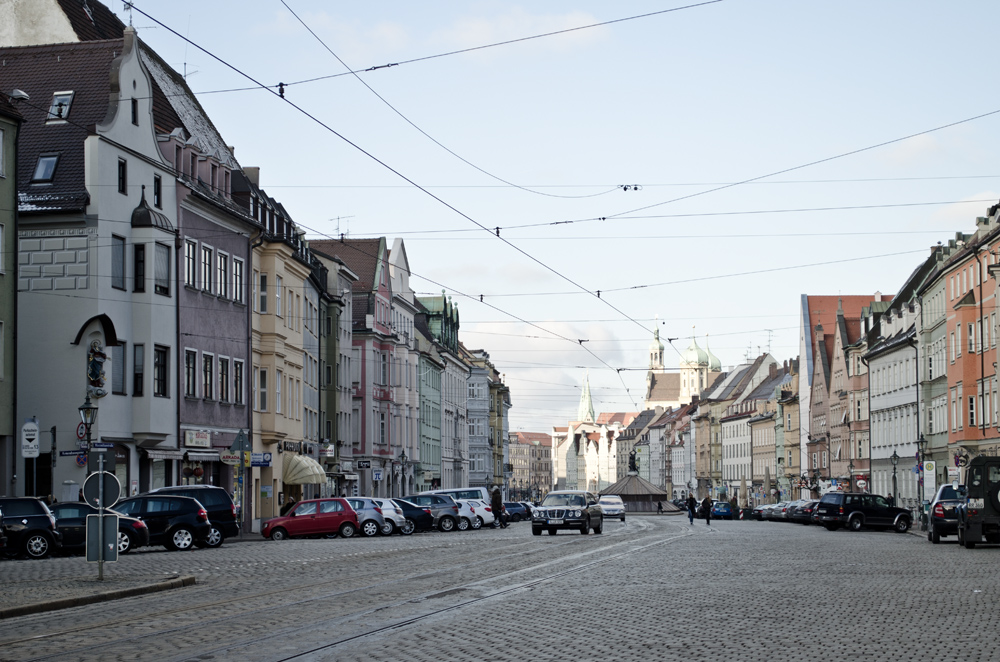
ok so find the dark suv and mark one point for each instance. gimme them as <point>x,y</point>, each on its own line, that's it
<point>979,516</point>
<point>176,522</point>
<point>443,508</point>
<point>568,509</point>
<point>219,506</point>
<point>29,527</point>
<point>855,510</point>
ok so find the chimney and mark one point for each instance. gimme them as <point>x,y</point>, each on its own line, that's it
<point>878,296</point>
<point>253,174</point>
<point>773,370</point>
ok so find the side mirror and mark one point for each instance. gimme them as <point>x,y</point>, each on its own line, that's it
<point>591,503</point>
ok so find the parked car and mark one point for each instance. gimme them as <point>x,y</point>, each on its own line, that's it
<point>613,506</point>
<point>393,515</point>
<point>443,508</point>
<point>804,512</point>
<point>370,519</point>
<point>176,522</point>
<point>418,518</point>
<point>217,503</point>
<point>979,516</point>
<point>71,522</point>
<point>516,511</point>
<point>314,517</point>
<point>790,509</point>
<point>777,511</point>
<point>29,527</point>
<point>484,513</point>
<point>467,520</point>
<point>944,512</point>
<point>568,509</point>
<point>855,510</point>
<point>722,510</point>
<point>758,511</point>
<point>477,493</point>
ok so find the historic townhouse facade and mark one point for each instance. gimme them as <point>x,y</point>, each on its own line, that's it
<point>478,406</point>
<point>10,122</point>
<point>406,402</point>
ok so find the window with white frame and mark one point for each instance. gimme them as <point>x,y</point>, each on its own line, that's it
<point>238,381</point>
<point>190,263</point>
<point>238,283</point>
<point>263,294</point>
<point>118,369</point>
<point>277,296</point>
<point>262,391</point>
<point>161,269</point>
<point>190,373</point>
<point>277,391</point>
<point>223,379</point>
<point>117,262</point>
<point>222,269</point>
<point>206,268</point>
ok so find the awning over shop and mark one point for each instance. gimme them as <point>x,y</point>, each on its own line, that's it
<point>302,470</point>
<point>154,454</point>
<point>202,456</point>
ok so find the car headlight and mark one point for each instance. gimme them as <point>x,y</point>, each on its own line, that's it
<point>576,513</point>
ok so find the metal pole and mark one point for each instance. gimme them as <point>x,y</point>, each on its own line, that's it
<point>100,517</point>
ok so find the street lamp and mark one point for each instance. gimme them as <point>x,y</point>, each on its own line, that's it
<point>88,414</point>
<point>894,458</point>
<point>850,475</point>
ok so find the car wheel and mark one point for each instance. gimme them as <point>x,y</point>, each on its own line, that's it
<point>37,546</point>
<point>623,518</point>
<point>477,523</point>
<point>585,529</point>
<point>902,525</point>
<point>969,544</point>
<point>446,524</point>
<point>464,524</point>
<point>831,527</point>
<point>388,528</point>
<point>279,534</point>
<point>213,540</point>
<point>516,517</point>
<point>408,527</point>
<point>181,539</point>
<point>599,529</point>
<point>347,529</point>
<point>370,528</point>
<point>854,524</point>
<point>535,531</point>
<point>934,536</point>
<point>552,532</point>
<point>124,542</point>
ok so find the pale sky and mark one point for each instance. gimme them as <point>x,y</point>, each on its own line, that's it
<point>678,104</point>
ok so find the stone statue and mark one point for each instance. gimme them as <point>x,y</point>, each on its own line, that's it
<point>633,461</point>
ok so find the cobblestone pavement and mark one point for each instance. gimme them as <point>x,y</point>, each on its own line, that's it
<point>653,588</point>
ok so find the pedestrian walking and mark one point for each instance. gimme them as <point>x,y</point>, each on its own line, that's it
<point>659,507</point>
<point>706,508</point>
<point>496,503</point>
<point>692,505</point>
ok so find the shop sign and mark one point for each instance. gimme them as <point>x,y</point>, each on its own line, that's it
<point>376,474</point>
<point>197,438</point>
<point>293,446</point>
<point>231,458</point>
<point>260,459</point>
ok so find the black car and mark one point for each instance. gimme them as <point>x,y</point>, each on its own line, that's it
<point>979,515</point>
<point>803,513</point>
<point>855,510</point>
<point>219,506</point>
<point>176,522</point>
<point>71,522</point>
<point>418,518</point>
<point>516,511</point>
<point>944,512</point>
<point>29,527</point>
<point>568,509</point>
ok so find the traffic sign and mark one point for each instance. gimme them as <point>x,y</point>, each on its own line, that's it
<point>241,443</point>
<point>81,430</point>
<point>260,459</point>
<point>110,538</point>
<point>29,439</point>
<point>94,458</point>
<point>376,474</point>
<point>108,485</point>
<point>102,444</point>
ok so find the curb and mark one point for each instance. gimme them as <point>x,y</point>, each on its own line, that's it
<point>64,603</point>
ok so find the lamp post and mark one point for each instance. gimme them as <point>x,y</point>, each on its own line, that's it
<point>88,415</point>
<point>850,475</point>
<point>894,458</point>
<point>402,477</point>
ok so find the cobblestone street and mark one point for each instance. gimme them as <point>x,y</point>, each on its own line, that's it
<point>653,588</point>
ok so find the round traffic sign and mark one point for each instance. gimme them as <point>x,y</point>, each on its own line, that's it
<point>81,431</point>
<point>861,482</point>
<point>107,483</point>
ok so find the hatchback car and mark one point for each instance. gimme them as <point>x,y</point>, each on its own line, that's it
<point>804,512</point>
<point>176,522</point>
<point>313,517</point>
<point>217,503</point>
<point>71,521</point>
<point>515,511</point>
<point>442,507</point>
<point>613,506</point>
<point>483,513</point>
<point>568,509</point>
<point>418,518</point>
<point>393,515</point>
<point>29,527</point>
<point>467,515</point>
<point>370,519</point>
<point>855,510</point>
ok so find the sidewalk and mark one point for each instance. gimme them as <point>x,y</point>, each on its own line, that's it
<point>33,597</point>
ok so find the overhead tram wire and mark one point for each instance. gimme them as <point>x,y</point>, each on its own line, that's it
<point>427,135</point>
<point>394,171</point>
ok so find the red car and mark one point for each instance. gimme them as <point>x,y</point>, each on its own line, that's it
<point>314,517</point>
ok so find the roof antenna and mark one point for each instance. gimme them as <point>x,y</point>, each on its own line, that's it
<point>128,8</point>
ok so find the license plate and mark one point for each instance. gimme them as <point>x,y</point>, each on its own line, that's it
<point>555,521</point>
<point>976,503</point>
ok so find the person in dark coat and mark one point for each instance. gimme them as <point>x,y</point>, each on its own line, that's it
<point>706,510</point>
<point>692,505</point>
<point>496,503</point>
<point>659,507</point>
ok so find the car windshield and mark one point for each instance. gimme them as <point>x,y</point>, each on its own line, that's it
<point>611,500</point>
<point>576,500</point>
<point>950,492</point>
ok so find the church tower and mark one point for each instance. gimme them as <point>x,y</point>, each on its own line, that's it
<point>585,412</point>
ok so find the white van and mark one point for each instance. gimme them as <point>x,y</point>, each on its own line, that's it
<point>478,493</point>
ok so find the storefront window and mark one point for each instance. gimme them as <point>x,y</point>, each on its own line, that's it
<point>158,474</point>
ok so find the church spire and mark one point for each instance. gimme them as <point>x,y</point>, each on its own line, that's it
<point>585,413</point>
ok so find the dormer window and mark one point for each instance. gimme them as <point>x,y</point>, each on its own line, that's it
<point>45,169</point>
<point>61,102</point>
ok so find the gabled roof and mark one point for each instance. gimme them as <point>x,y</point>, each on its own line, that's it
<point>664,387</point>
<point>624,418</point>
<point>92,21</point>
<point>40,71</point>
<point>360,255</point>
